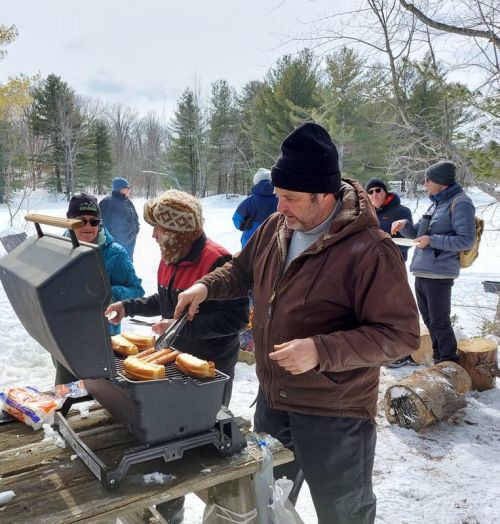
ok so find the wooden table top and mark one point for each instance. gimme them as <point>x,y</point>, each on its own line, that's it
<point>52,485</point>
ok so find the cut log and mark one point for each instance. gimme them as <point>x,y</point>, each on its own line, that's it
<point>479,357</point>
<point>426,396</point>
<point>423,355</point>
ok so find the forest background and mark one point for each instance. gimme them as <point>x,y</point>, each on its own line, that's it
<point>384,79</point>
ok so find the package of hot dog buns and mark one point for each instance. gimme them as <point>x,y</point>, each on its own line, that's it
<point>29,405</point>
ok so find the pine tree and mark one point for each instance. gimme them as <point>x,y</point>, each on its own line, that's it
<point>188,142</point>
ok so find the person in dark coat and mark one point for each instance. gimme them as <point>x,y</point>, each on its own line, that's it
<point>186,256</point>
<point>435,262</point>
<point>119,215</point>
<point>120,270</point>
<point>332,304</point>
<point>389,208</point>
<point>252,211</point>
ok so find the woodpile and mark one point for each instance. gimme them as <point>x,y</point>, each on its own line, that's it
<point>426,396</point>
<point>479,357</point>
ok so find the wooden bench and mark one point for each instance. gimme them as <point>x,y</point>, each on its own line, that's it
<point>52,485</point>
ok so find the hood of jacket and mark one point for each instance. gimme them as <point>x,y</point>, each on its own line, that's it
<point>263,188</point>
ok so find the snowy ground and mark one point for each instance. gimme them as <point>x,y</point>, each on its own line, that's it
<point>447,474</point>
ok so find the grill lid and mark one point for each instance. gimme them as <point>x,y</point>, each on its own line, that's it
<point>59,289</point>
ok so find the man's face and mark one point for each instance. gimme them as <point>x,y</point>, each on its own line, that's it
<point>433,188</point>
<point>303,211</point>
<point>88,233</point>
<point>377,196</point>
<point>158,233</point>
<point>125,191</point>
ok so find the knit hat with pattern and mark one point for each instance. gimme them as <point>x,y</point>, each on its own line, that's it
<point>180,216</point>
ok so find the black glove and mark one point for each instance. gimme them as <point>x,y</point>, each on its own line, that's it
<point>246,224</point>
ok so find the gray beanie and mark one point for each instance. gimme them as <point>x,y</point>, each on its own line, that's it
<point>442,172</point>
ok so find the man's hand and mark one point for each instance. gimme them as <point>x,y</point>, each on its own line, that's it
<point>120,313</point>
<point>191,298</point>
<point>160,327</point>
<point>398,225</point>
<point>296,356</point>
<point>423,241</point>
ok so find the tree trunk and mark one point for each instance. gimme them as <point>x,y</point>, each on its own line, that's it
<point>479,357</point>
<point>426,396</point>
<point>423,355</point>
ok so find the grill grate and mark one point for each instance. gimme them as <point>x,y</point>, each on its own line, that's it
<point>172,373</point>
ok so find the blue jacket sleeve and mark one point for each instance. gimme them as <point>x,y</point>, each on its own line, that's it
<point>125,283</point>
<point>464,229</point>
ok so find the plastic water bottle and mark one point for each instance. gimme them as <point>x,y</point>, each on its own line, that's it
<point>264,483</point>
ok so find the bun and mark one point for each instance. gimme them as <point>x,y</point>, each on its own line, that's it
<point>122,346</point>
<point>137,369</point>
<point>141,341</point>
<point>195,367</point>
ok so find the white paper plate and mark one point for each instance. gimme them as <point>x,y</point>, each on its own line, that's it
<point>408,242</point>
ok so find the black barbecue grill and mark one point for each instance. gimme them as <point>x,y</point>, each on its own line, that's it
<point>59,289</point>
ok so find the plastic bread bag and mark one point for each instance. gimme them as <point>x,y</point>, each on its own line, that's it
<point>29,405</point>
<point>284,512</point>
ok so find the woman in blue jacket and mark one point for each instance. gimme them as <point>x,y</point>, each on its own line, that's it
<point>435,262</point>
<point>252,211</point>
<point>122,277</point>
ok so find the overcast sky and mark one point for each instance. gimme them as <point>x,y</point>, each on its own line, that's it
<point>144,54</point>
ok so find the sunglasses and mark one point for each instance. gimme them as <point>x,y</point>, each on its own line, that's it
<point>94,222</point>
<point>375,190</point>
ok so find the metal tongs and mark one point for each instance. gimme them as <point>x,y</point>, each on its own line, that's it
<point>167,338</point>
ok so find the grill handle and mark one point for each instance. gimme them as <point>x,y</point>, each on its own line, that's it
<point>67,223</point>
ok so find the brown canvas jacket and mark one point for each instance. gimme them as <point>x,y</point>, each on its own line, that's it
<point>348,291</point>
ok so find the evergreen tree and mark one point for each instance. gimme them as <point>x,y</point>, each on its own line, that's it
<point>188,141</point>
<point>223,137</point>
<point>46,123</point>
<point>95,164</point>
<point>289,97</point>
<point>356,120</point>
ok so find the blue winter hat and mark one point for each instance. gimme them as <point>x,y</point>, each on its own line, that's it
<point>119,183</point>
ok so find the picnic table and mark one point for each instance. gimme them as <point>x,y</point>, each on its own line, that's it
<point>53,485</point>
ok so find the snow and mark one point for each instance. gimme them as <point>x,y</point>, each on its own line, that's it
<point>448,473</point>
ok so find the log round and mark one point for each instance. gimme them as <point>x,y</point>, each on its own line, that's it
<point>479,357</point>
<point>428,395</point>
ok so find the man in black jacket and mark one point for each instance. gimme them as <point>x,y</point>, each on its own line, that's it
<point>186,256</point>
<point>119,215</point>
<point>388,207</point>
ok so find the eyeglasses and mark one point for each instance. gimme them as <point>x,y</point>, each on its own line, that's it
<point>374,190</point>
<point>94,222</point>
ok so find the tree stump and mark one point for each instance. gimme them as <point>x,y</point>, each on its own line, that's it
<point>479,357</point>
<point>426,396</point>
<point>423,355</point>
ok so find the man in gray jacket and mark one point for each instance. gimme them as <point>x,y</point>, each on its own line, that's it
<point>435,261</point>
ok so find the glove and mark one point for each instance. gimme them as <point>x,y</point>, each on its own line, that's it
<point>246,224</point>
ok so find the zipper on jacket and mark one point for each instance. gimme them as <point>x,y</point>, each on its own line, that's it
<point>270,304</point>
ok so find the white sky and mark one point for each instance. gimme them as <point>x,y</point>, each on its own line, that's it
<point>144,54</point>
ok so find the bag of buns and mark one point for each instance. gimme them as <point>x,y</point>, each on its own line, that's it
<point>29,405</point>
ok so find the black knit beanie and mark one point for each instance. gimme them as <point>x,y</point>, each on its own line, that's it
<point>376,182</point>
<point>442,172</point>
<point>308,162</point>
<point>83,204</point>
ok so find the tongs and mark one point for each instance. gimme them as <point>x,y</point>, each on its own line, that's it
<point>167,338</point>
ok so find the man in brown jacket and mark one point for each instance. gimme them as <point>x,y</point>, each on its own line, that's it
<point>332,304</point>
